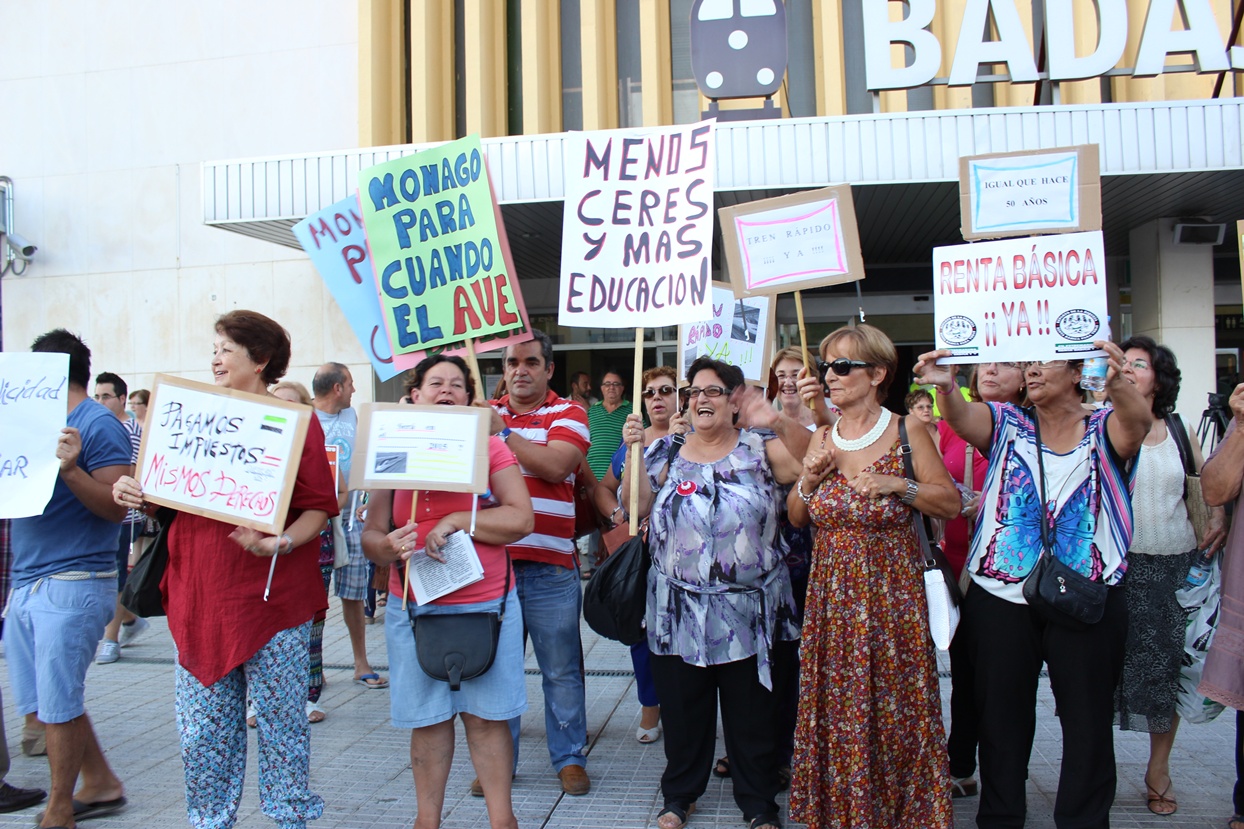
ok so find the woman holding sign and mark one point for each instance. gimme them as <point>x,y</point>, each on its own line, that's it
<point>230,638</point>
<point>720,610</point>
<point>869,750</point>
<point>1055,502</point>
<point>486,703</point>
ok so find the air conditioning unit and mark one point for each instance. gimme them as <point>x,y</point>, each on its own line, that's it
<point>1199,233</point>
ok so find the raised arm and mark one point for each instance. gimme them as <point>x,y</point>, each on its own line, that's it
<point>1132,417</point>
<point>971,421</point>
<point>1222,473</point>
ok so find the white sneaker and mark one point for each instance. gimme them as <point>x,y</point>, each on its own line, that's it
<point>108,653</point>
<point>131,632</point>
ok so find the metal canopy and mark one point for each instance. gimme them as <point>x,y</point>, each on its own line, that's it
<point>1158,159</point>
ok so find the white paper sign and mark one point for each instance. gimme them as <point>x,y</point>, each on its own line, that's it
<point>221,453</point>
<point>32,413</point>
<point>430,579</point>
<point>1025,192</point>
<point>740,333</point>
<point>1041,298</point>
<point>421,447</point>
<point>637,227</point>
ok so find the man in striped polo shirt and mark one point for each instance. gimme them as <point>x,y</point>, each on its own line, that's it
<point>549,436</point>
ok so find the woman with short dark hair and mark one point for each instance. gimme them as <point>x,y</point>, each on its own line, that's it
<point>1163,546</point>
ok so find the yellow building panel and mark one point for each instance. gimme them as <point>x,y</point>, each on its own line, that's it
<point>484,75</point>
<point>831,75</point>
<point>1017,94</point>
<point>599,43</point>
<point>542,68</point>
<point>946,24</point>
<point>382,104</point>
<point>431,70</point>
<point>655,63</point>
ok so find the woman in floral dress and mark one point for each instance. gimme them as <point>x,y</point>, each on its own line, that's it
<point>869,745</point>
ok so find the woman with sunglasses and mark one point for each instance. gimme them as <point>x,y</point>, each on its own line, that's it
<point>720,611</point>
<point>1077,464</point>
<point>1163,545</point>
<point>992,383</point>
<point>869,750</point>
<point>660,393</point>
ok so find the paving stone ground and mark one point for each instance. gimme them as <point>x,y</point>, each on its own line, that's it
<point>361,766</point>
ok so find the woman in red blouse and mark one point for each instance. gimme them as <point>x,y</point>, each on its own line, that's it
<point>487,702</point>
<point>229,638</point>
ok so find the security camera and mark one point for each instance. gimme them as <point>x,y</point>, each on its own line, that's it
<point>21,248</point>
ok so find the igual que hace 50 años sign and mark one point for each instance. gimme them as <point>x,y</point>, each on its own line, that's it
<point>1200,38</point>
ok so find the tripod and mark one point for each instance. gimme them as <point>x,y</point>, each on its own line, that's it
<point>1214,421</point>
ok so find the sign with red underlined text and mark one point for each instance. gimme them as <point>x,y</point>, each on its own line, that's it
<point>220,453</point>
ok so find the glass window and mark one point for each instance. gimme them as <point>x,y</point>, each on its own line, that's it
<point>686,93</point>
<point>630,76</point>
<point>572,66</point>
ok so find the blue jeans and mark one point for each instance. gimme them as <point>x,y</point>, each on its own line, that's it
<point>552,601</point>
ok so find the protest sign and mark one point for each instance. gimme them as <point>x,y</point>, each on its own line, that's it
<point>1239,234</point>
<point>1022,194</point>
<point>220,453</point>
<point>789,243</point>
<point>441,275</point>
<point>334,462</point>
<point>637,228</point>
<point>335,241</point>
<point>740,333</point>
<point>421,447</point>
<point>1042,298</point>
<point>33,410</point>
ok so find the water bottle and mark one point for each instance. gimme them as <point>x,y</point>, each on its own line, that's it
<point>1093,375</point>
<point>1199,572</point>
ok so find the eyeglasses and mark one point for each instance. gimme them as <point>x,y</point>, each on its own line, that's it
<point>841,367</point>
<point>1138,365</point>
<point>102,397</point>
<point>1050,364</point>
<point>662,391</point>
<point>611,385</point>
<point>692,392</point>
<point>999,366</point>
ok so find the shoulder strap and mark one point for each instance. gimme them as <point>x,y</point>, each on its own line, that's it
<point>1045,529</point>
<point>1175,425</point>
<point>918,518</point>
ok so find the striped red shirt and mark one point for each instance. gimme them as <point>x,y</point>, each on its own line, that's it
<point>556,419</point>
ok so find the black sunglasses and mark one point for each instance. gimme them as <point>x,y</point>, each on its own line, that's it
<point>663,391</point>
<point>841,367</point>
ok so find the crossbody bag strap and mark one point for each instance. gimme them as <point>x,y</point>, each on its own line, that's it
<point>918,518</point>
<point>505,596</point>
<point>1045,530</point>
<point>1175,425</point>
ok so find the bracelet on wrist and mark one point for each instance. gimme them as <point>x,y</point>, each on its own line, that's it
<point>285,542</point>
<point>807,499</point>
<point>909,497</point>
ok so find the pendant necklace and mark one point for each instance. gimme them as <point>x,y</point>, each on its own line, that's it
<point>863,441</point>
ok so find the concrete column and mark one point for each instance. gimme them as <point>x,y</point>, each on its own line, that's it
<point>1173,302</point>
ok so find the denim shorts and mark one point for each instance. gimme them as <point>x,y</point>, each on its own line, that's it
<point>417,700</point>
<point>352,580</point>
<point>50,636</point>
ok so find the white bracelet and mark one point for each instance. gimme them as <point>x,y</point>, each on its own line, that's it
<point>807,499</point>
<point>281,541</point>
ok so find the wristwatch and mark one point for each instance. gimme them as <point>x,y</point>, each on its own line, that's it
<point>505,433</point>
<point>909,497</point>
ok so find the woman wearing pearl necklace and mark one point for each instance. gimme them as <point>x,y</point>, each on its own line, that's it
<point>869,745</point>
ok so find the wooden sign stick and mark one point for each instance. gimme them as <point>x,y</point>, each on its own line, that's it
<point>414,503</point>
<point>473,365</point>
<point>803,339</point>
<point>636,460</point>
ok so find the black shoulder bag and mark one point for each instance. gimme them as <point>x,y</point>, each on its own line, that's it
<point>452,647</point>
<point>1060,594</point>
<point>141,594</point>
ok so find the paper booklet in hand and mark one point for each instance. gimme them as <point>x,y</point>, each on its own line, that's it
<point>431,579</point>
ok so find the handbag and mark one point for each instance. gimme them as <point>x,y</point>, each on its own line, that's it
<point>616,596</point>
<point>1198,510</point>
<point>341,553</point>
<point>1060,594</point>
<point>142,595</point>
<point>452,647</point>
<point>941,588</point>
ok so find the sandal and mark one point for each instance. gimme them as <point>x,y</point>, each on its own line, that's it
<point>1236,822</point>
<point>784,775</point>
<point>315,713</point>
<point>722,769</point>
<point>1157,802</point>
<point>768,819</point>
<point>964,787</point>
<point>679,812</point>
<point>251,719</point>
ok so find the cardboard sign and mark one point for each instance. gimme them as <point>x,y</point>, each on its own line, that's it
<point>441,275</point>
<point>220,453</point>
<point>421,447</point>
<point>335,241</point>
<point>740,333</point>
<point>33,410</point>
<point>637,227</point>
<point>788,243</point>
<point>1042,298</point>
<point>1021,194</point>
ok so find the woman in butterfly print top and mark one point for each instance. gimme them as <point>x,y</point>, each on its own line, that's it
<point>1085,458</point>
<point>720,609</point>
<point>1157,566</point>
<point>869,750</point>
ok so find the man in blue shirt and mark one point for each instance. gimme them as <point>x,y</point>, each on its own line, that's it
<point>64,587</point>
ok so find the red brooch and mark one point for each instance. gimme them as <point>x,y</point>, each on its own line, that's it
<point>686,488</point>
